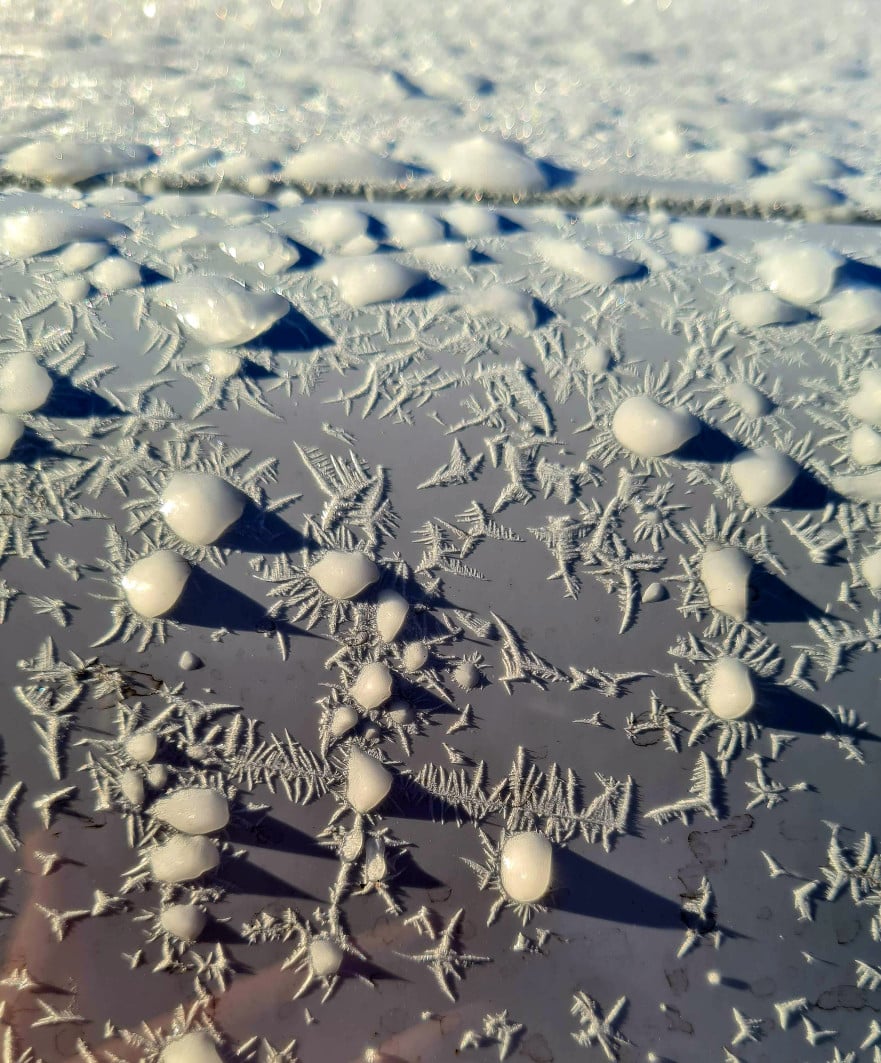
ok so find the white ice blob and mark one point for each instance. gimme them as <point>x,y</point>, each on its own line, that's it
<point>730,693</point>
<point>591,266</point>
<point>526,866</point>
<point>414,656</point>
<point>790,189</point>
<point>344,574</point>
<point>342,164</point>
<point>758,309</point>
<point>800,273</point>
<point>82,255</point>
<point>193,810</point>
<point>688,239</point>
<point>115,274</point>
<point>343,720</point>
<point>748,399</point>
<point>392,610</point>
<point>856,310</point>
<point>495,167</point>
<point>870,569</point>
<point>864,487</point>
<point>650,430</point>
<point>508,305</point>
<point>223,363</point>
<point>73,289</point>
<point>763,475</point>
<point>219,311</point>
<point>188,661</point>
<point>865,445</point>
<point>333,225</point>
<point>157,776</point>
<point>410,227</point>
<point>254,245</point>
<point>199,506</point>
<point>466,675</point>
<point>473,221</point>
<point>183,921</point>
<point>727,164</point>
<point>32,225</point>
<point>142,746</point>
<point>367,781</point>
<point>131,786</point>
<point>654,592</point>
<point>11,430</point>
<point>325,956</point>
<point>24,384</point>
<point>154,583</point>
<point>193,1047</point>
<point>725,572</point>
<point>450,254</point>
<point>373,686</point>
<point>363,280</point>
<point>183,858</point>
<point>865,403</point>
<point>68,160</point>
<point>400,713</point>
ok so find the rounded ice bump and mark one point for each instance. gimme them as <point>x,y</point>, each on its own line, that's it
<point>183,858</point>
<point>193,810</point>
<point>183,921</point>
<point>368,781</point>
<point>193,1047</point>
<point>142,746</point>
<point>11,430</point>
<point>392,610</point>
<point>730,693</point>
<point>24,384</point>
<point>373,686</point>
<point>344,574</point>
<point>725,572</point>
<point>415,656</point>
<point>154,584</point>
<point>325,957</point>
<point>763,475</point>
<point>526,865</point>
<point>646,428</point>
<point>199,506</point>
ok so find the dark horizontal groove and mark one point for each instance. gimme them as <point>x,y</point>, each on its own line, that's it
<point>670,196</point>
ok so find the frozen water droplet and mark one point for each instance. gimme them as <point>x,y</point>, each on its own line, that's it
<point>326,957</point>
<point>526,865</point>
<point>24,384</point>
<point>193,1047</point>
<point>495,167</point>
<point>725,573</point>
<point>368,279</point>
<point>747,398</point>
<point>373,687</point>
<point>650,430</point>
<point>142,746</point>
<point>730,693</point>
<point>415,656</point>
<point>688,239</point>
<point>392,610</point>
<point>865,403</point>
<point>654,592</point>
<point>865,446</point>
<point>513,308</point>
<point>11,430</point>
<point>344,574</point>
<point>221,312</point>
<point>189,662</point>
<point>856,311</point>
<point>570,257</point>
<point>183,858</point>
<point>183,921</point>
<point>800,273</point>
<point>199,506</point>
<point>763,475</point>
<point>154,584</point>
<point>193,810</point>
<point>368,781</point>
<point>758,309</point>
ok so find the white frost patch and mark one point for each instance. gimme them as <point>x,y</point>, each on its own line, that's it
<point>64,160</point>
